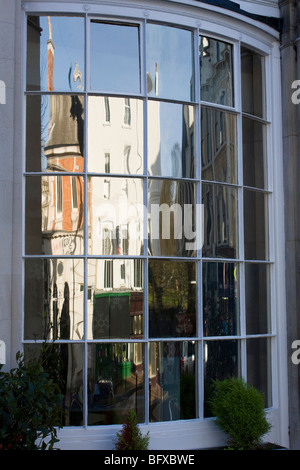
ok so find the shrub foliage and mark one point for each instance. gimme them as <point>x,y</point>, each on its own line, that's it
<point>239,410</point>
<point>30,408</point>
<point>131,437</point>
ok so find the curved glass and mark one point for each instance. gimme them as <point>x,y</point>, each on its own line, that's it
<point>257,299</point>
<point>115,57</point>
<point>55,53</point>
<point>55,133</point>
<point>254,153</point>
<point>253,83</point>
<point>171,139</point>
<point>255,225</point>
<point>169,62</point>
<point>216,71</point>
<point>54,215</point>
<point>115,135</point>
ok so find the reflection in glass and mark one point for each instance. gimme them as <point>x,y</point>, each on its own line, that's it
<point>53,299</point>
<point>115,57</point>
<point>64,364</point>
<point>218,146</point>
<point>216,71</point>
<point>172,298</point>
<point>54,215</point>
<point>54,134</point>
<point>254,153</point>
<point>115,382</point>
<point>171,139</point>
<point>257,299</point>
<point>253,83</point>
<point>220,299</point>
<point>171,211</point>
<point>221,361</point>
<point>55,53</point>
<point>220,221</point>
<point>255,225</point>
<point>172,379</point>
<point>169,62</point>
<point>259,373</point>
<point>115,298</point>
<point>115,135</point>
<point>115,215</point>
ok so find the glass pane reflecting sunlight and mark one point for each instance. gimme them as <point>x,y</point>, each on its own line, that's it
<point>169,61</point>
<point>115,135</point>
<point>171,140</point>
<point>115,57</point>
<point>55,53</point>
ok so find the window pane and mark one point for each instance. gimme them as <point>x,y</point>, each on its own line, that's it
<point>115,140</point>
<point>55,53</point>
<point>259,366</point>
<point>64,363</point>
<point>172,298</point>
<point>53,299</point>
<point>254,153</point>
<point>171,139</point>
<point>116,382</point>
<point>257,299</point>
<point>54,134</point>
<point>216,71</point>
<point>172,379</point>
<point>221,361</point>
<point>220,221</point>
<point>218,146</point>
<point>53,226</point>
<point>171,212</point>
<point>253,83</point>
<point>255,225</point>
<point>169,57</point>
<point>116,307</point>
<point>115,57</point>
<point>220,299</point>
<point>116,215</point>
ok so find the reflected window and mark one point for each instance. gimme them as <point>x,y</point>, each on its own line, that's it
<point>169,61</point>
<point>116,382</point>
<point>218,146</point>
<point>171,214</point>
<point>220,221</point>
<point>125,131</point>
<point>220,299</point>
<point>172,380</point>
<point>171,139</point>
<point>216,71</point>
<point>115,57</point>
<point>118,298</point>
<point>172,298</point>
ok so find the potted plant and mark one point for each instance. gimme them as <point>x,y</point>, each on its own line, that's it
<point>239,411</point>
<point>131,437</point>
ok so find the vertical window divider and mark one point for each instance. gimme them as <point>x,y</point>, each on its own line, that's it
<point>85,222</point>
<point>143,26</point>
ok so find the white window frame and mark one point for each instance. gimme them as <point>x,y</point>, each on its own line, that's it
<point>235,29</point>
